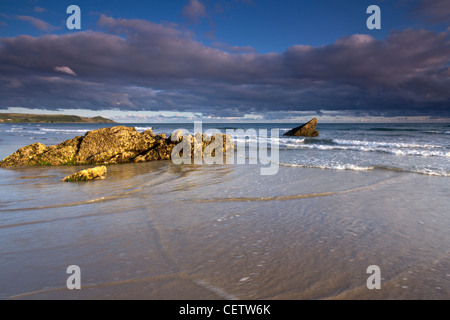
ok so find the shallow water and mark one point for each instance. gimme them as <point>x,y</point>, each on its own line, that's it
<point>157,230</point>
<point>162,231</point>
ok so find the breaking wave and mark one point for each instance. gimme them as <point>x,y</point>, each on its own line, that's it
<point>396,148</point>
<point>353,167</point>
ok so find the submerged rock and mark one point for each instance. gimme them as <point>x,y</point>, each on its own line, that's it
<point>306,130</point>
<point>106,146</point>
<point>88,174</point>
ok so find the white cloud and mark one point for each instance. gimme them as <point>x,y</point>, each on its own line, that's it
<point>65,70</point>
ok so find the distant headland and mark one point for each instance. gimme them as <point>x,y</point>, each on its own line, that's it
<point>49,118</point>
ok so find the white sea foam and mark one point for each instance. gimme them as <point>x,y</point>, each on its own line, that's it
<point>396,148</point>
<point>61,130</point>
<point>423,153</point>
<point>65,131</point>
<point>384,144</point>
<point>330,166</point>
<point>432,172</point>
<point>142,129</point>
<point>354,167</point>
<point>21,131</point>
<point>397,151</point>
<point>279,141</point>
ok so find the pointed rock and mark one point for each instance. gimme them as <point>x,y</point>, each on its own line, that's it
<point>306,130</point>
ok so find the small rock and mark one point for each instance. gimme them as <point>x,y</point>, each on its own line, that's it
<point>88,174</point>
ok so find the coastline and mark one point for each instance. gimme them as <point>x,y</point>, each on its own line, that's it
<point>26,118</point>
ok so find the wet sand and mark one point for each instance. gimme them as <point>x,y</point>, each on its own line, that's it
<point>161,231</point>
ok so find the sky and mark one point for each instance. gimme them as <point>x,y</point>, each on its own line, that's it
<point>232,60</point>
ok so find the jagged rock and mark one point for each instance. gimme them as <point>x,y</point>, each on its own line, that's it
<point>63,153</point>
<point>88,174</point>
<point>26,156</point>
<point>176,136</point>
<point>306,130</point>
<point>108,146</point>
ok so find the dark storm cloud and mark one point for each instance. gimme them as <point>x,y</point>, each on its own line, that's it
<point>140,65</point>
<point>435,11</point>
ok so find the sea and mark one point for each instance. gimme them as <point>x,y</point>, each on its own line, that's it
<point>331,207</point>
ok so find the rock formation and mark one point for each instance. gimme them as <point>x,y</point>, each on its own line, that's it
<point>105,146</point>
<point>306,130</point>
<point>88,174</point>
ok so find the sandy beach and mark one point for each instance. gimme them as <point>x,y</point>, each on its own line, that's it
<point>161,231</point>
